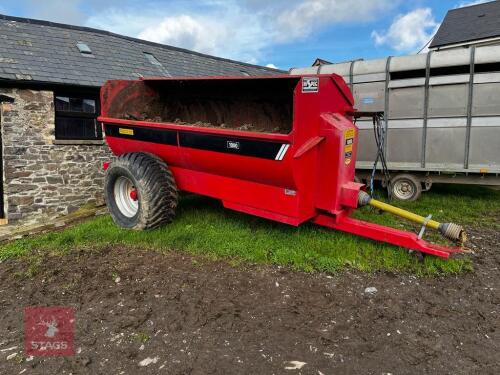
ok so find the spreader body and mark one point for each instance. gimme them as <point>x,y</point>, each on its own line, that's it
<point>285,177</point>
<point>280,147</point>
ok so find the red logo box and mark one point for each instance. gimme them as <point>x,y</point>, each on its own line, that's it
<point>49,331</point>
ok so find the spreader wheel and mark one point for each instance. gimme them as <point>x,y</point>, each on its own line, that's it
<point>140,191</point>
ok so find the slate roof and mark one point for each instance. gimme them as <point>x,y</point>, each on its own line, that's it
<point>41,51</point>
<point>467,24</point>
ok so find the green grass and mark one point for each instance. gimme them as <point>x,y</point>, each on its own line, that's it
<point>203,227</point>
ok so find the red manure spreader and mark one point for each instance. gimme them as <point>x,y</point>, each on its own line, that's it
<point>279,147</point>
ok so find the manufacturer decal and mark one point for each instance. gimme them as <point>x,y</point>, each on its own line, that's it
<point>368,100</point>
<point>125,131</point>
<point>310,84</point>
<point>233,145</point>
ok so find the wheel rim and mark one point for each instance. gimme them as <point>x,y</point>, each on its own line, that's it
<point>403,189</point>
<point>126,196</point>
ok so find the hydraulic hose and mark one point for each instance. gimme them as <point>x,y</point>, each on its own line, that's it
<point>450,231</point>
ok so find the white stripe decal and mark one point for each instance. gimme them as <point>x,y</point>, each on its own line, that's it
<point>279,152</point>
<point>284,152</point>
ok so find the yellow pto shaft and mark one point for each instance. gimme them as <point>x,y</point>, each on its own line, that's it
<point>403,213</point>
<point>450,231</point>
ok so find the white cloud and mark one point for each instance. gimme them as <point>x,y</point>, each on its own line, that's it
<point>199,34</point>
<point>408,32</point>
<point>237,29</point>
<point>306,17</point>
<point>222,31</point>
<point>272,66</point>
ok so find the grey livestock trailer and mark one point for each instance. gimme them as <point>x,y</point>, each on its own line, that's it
<point>442,116</point>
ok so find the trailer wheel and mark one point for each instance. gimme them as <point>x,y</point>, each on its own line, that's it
<point>140,191</point>
<point>405,187</point>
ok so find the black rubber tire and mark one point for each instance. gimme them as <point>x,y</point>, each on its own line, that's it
<point>411,182</point>
<point>156,191</point>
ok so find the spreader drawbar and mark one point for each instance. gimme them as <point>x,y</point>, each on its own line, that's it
<point>301,168</point>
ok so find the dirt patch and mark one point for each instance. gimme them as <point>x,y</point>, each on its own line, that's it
<point>182,315</point>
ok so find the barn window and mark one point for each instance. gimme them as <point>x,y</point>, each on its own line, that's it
<point>76,117</point>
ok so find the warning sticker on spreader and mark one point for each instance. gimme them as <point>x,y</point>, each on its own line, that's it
<point>126,131</point>
<point>349,133</point>
<point>349,141</point>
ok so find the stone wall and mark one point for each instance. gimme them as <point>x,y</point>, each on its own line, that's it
<point>42,179</point>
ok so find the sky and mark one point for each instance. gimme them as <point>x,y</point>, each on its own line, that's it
<point>276,33</point>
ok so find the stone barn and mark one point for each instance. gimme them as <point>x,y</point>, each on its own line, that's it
<point>50,74</point>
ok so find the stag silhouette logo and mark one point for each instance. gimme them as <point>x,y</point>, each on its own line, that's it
<point>51,327</point>
<point>49,330</point>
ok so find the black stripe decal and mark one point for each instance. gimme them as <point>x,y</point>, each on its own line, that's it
<point>231,145</point>
<point>139,133</point>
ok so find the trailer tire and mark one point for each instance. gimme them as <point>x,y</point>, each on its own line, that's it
<point>140,191</point>
<point>406,187</point>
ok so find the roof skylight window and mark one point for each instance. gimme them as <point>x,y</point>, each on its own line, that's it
<point>152,59</point>
<point>84,48</point>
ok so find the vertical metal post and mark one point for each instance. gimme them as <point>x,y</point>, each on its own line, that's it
<point>386,102</point>
<point>469,107</point>
<point>351,76</point>
<point>426,107</point>
<point>318,71</point>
